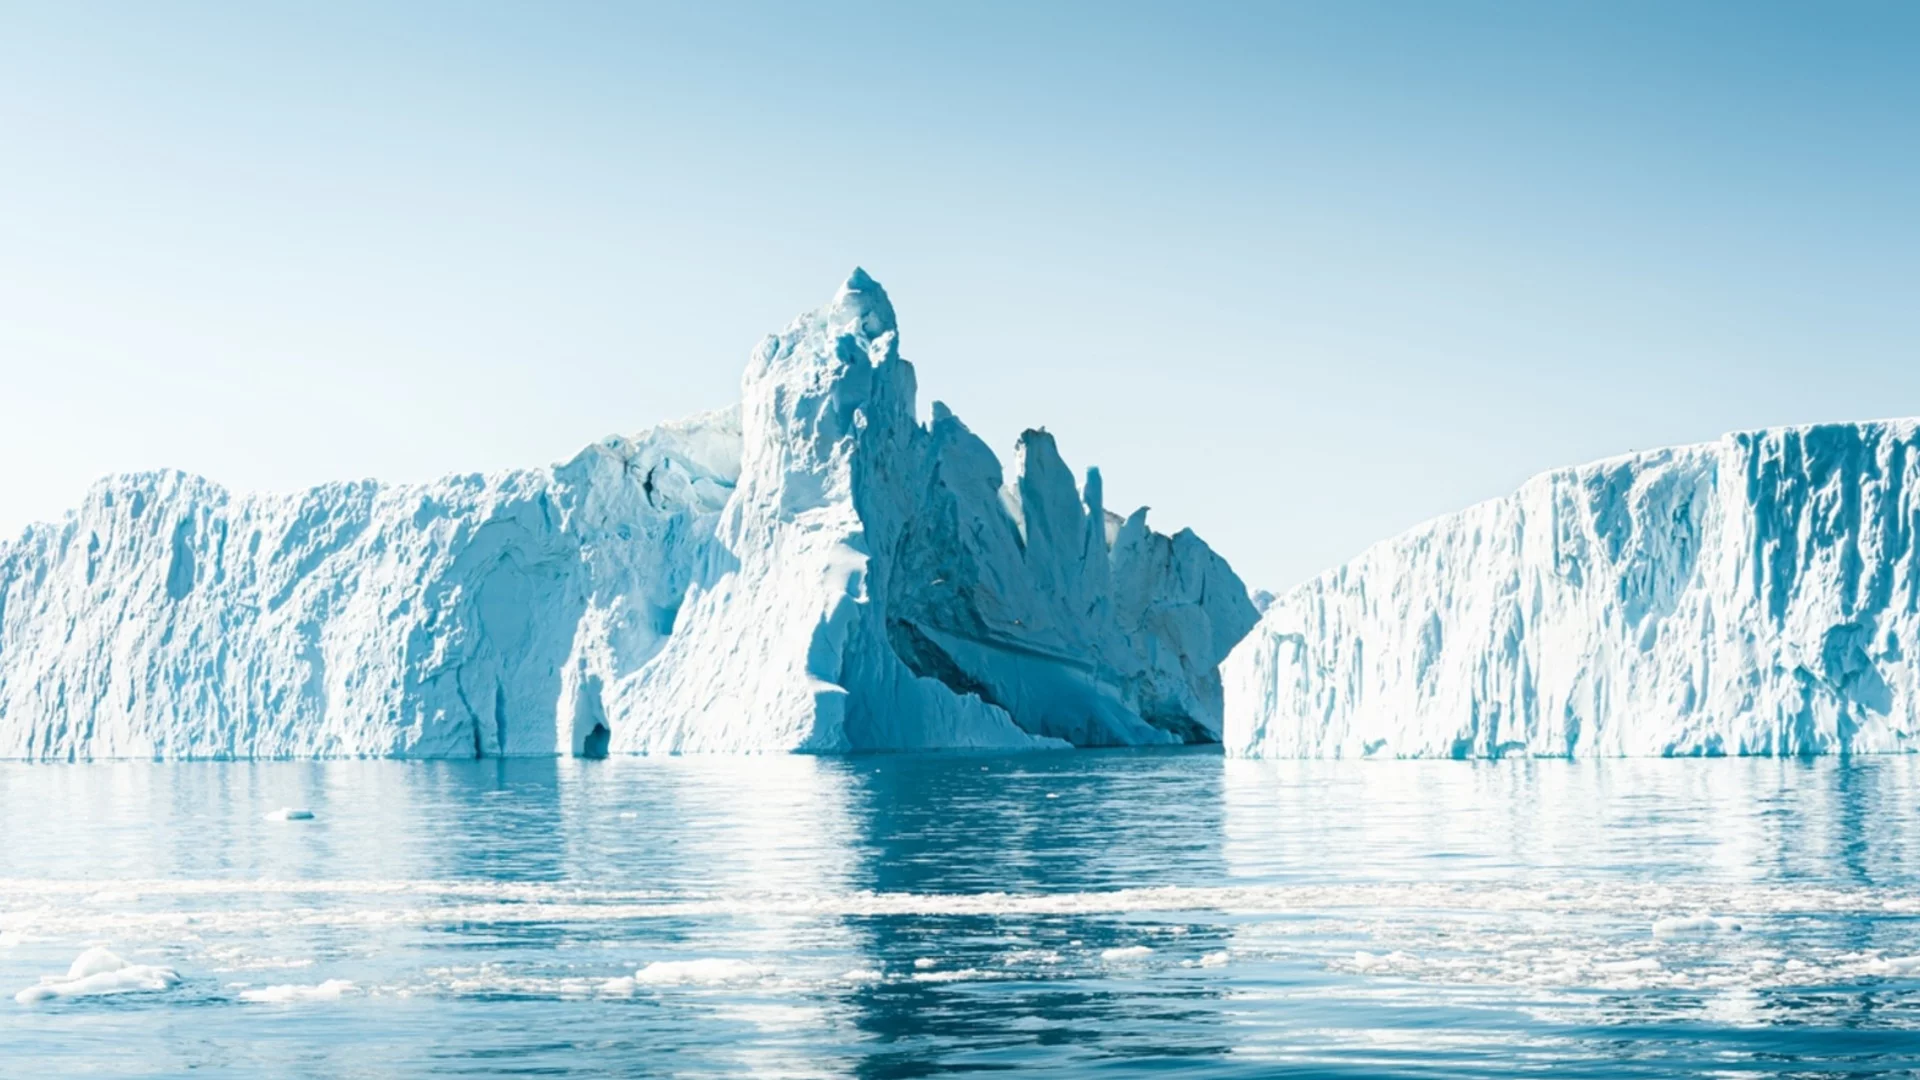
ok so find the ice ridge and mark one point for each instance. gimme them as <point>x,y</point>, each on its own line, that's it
<point>1759,595</point>
<point>813,570</point>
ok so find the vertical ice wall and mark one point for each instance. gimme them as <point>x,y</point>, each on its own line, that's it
<point>1757,595</point>
<point>889,591</point>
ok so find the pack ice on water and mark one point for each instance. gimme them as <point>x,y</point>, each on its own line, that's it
<point>813,570</point>
<point>1755,595</point>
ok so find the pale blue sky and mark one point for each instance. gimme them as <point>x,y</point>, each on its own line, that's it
<point>1297,276</point>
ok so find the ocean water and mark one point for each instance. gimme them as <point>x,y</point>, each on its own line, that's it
<point>1086,913</point>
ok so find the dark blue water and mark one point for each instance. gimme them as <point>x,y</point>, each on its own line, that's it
<point>1085,913</point>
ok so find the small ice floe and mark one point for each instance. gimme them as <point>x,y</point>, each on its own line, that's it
<point>289,813</point>
<point>1125,954</point>
<point>926,962</point>
<point>1030,956</point>
<point>1894,965</point>
<point>231,960</point>
<point>961,975</point>
<point>704,972</point>
<point>1393,961</point>
<point>98,972</point>
<point>1688,925</point>
<point>861,976</point>
<point>1628,967</point>
<point>293,994</point>
<point>1210,960</point>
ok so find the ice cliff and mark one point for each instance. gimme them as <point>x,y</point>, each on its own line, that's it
<point>1757,595</point>
<point>815,570</point>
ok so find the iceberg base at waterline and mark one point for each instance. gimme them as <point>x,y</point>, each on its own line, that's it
<point>1759,595</point>
<point>814,570</point>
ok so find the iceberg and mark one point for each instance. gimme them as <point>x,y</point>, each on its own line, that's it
<point>813,570</point>
<point>96,973</point>
<point>1758,595</point>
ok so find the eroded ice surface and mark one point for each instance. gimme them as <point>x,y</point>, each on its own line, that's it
<point>1756,595</point>
<point>97,972</point>
<point>813,570</point>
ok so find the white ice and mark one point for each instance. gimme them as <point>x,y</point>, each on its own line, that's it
<point>97,972</point>
<point>812,570</point>
<point>702,972</point>
<point>1755,595</point>
<point>293,993</point>
<point>1703,923</point>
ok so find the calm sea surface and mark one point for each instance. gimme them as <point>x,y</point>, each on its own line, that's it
<point>1087,913</point>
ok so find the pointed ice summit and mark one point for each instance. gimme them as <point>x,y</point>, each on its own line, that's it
<point>1756,595</point>
<point>812,571</point>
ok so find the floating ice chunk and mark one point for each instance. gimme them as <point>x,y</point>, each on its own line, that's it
<point>1030,956</point>
<point>1366,961</point>
<point>98,972</point>
<point>1686,925</point>
<point>1125,954</point>
<point>291,994</point>
<point>925,962</point>
<point>1628,967</point>
<point>95,961</point>
<point>289,813</point>
<point>862,975</point>
<point>239,962</point>
<point>1895,965</point>
<point>704,972</point>
<point>961,975</point>
<point>1214,959</point>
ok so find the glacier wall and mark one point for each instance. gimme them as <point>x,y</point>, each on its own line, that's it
<point>1758,595</point>
<point>813,570</point>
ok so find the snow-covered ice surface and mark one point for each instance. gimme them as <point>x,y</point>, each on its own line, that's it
<point>1759,595</point>
<point>97,972</point>
<point>812,570</point>
<point>296,993</point>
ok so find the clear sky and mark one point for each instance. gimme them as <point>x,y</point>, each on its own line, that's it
<point>1296,275</point>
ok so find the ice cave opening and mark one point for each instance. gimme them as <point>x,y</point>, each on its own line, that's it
<point>595,744</point>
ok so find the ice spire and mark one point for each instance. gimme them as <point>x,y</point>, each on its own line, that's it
<point>862,299</point>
